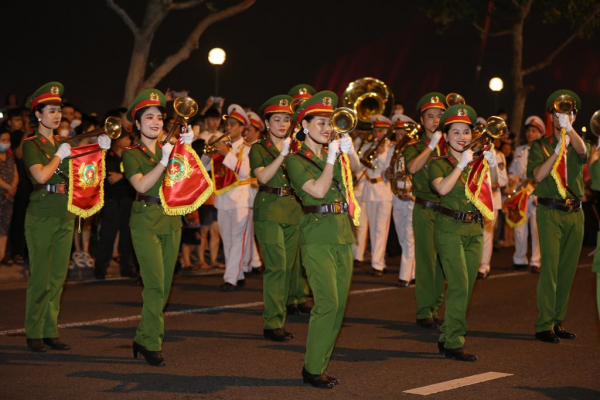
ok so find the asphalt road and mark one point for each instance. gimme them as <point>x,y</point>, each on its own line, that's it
<point>214,346</point>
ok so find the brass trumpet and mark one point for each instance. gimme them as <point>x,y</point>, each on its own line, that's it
<point>294,126</point>
<point>494,128</point>
<point>111,128</point>
<point>343,120</point>
<point>453,99</point>
<point>595,123</point>
<point>210,149</point>
<point>185,107</point>
<point>564,104</point>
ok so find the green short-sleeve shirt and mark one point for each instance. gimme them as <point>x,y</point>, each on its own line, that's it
<point>138,160</point>
<point>456,199</point>
<point>540,151</point>
<point>319,228</point>
<point>42,203</point>
<point>421,185</point>
<point>267,206</point>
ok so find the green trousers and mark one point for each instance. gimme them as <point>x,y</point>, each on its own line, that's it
<point>461,256</point>
<point>299,289</point>
<point>329,270</point>
<point>429,277</point>
<point>157,255</point>
<point>49,240</point>
<point>561,238</point>
<point>279,247</point>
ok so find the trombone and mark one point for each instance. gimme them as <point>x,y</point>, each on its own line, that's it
<point>185,107</point>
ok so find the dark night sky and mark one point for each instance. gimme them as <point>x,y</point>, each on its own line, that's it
<point>277,44</point>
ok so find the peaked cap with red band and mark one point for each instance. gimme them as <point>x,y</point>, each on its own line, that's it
<point>148,98</point>
<point>277,104</point>
<point>322,104</point>
<point>535,121</point>
<point>255,121</point>
<point>431,100</point>
<point>380,121</point>
<point>236,112</point>
<point>398,120</point>
<point>50,93</point>
<point>302,91</point>
<point>458,113</point>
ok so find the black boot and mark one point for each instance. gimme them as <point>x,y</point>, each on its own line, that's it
<point>56,344</point>
<point>154,358</point>
<point>318,381</point>
<point>36,345</point>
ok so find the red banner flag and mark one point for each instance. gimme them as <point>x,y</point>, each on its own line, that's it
<point>186,185</point>
<point>224,179</point>
<point>86,180</point>
<point>516,208</point>
<point>478,188</point>
<point>559,169</point>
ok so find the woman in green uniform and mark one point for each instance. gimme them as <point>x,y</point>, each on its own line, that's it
<point>458,231</point>
<point>277,213</point>
<point>48,224</point>
<point>325,233</point>
<point>155,235</point>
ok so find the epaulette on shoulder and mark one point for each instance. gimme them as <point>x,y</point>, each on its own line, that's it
<point>439,158</point>
<point>247,144</point>
<point>31,137</point>
<point>135,146</point>
<point>413,142</point>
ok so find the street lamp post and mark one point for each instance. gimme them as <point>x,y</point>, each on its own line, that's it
<point>216,57</point>
<point>496,85</point>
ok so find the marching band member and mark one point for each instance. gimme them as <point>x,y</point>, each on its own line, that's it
<point>458,228</point>
<point>377,195</point>
<point>48,223</point>
<point>254,133</point>
<point>360,232</point>
<point>489,225</point>
<point>402,208</point>
<point>429,276</point>
<point>233,201</point>
<point>559,216</point>
<point>277,214</point>
<point>155,235</point>
<point>325,233</point>
<point>517,173</point>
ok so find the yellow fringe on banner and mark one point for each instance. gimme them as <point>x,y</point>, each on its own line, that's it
<point>347,178</point>
<point>562,190</point>
<point>474,197</point>
<point>184,210</point>
<point>80,211</point>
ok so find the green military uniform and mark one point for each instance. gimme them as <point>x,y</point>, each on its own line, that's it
<point>429,277</point>
<point>325,245</point>
<point>594,170</point>
<point>460,246</point>
<point>299,289</point>
<point>560,232</point>
<point>156,237</point>
<point>48,229</point>
<point>276,220</point>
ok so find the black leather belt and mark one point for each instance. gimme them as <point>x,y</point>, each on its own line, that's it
<point>59,188</point>
<point>568,205</point>
<point>148,199</point>
<point>375,180</point>
<point>427,204</point>
<point>337,207</point>
<point>469,217</point>
<point>279,191</point>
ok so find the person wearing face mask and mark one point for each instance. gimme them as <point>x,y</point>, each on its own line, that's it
<point>48,223</point>
<point>429,277</point>
<point>233,199</point>
<point>155,235</point>
<point>63,128</point>
<point>9,179</point>
<point>559,216</point>
<point>325,229</point>
<point>277,213</point>
<point>458,231</point>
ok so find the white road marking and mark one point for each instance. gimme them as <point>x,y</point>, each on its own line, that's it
<point>229,307</point>
<point>457,383</point>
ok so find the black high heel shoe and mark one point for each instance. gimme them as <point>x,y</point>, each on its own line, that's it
<point>154,358</point>
<point>137,348</point>
<point>319,381</point>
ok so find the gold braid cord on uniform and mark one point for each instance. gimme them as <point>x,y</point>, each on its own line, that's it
<point>347,178</point>
<point>559,169</point>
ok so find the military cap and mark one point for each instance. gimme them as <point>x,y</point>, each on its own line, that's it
<point>380,121</point>
<point>322,104</point>
<point>398,120</point>
<point>431,100</point>
<point>256,121</point>
<point>553,96</point>
<point>535,121</point>
<point>50,93</point>
<point>458,113</point>
<point>236,112</point>
<point>302,91</point>
<point>277,104</point>
<point>148,98</point>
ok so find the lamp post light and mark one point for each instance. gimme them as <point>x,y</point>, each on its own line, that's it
<point>496,85</point>
<point>216,57</point>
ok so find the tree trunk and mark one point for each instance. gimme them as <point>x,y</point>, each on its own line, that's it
<point>137,68</point>
<point>520,94</point>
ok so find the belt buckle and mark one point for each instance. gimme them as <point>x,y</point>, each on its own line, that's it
<point>60,188</point>
<point>284,191</point>
<point>469,217</point>
<point>337,207</point>
<point>572,205</point>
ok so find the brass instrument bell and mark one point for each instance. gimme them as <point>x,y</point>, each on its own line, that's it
<point>494,128</point>
<point>595,123</point>
<point>368,97</point>
<point>111,128</point>
<point>455,98</point>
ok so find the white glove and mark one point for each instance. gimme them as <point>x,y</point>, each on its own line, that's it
<point>490,157</point>
<point>104,142</point>
<point>63,151</point>
<point>346,145</point>
<point>465,159</point>
<point>567,142</point>
<point>435,140</point>
<point>334,149</point>
<point>564,122</point>
<point>166,154</point>
<point>285,146</point>
<point>188,136</point>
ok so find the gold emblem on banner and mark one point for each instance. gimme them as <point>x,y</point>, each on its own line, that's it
<point>88,175</point>
<point>178,169</point>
